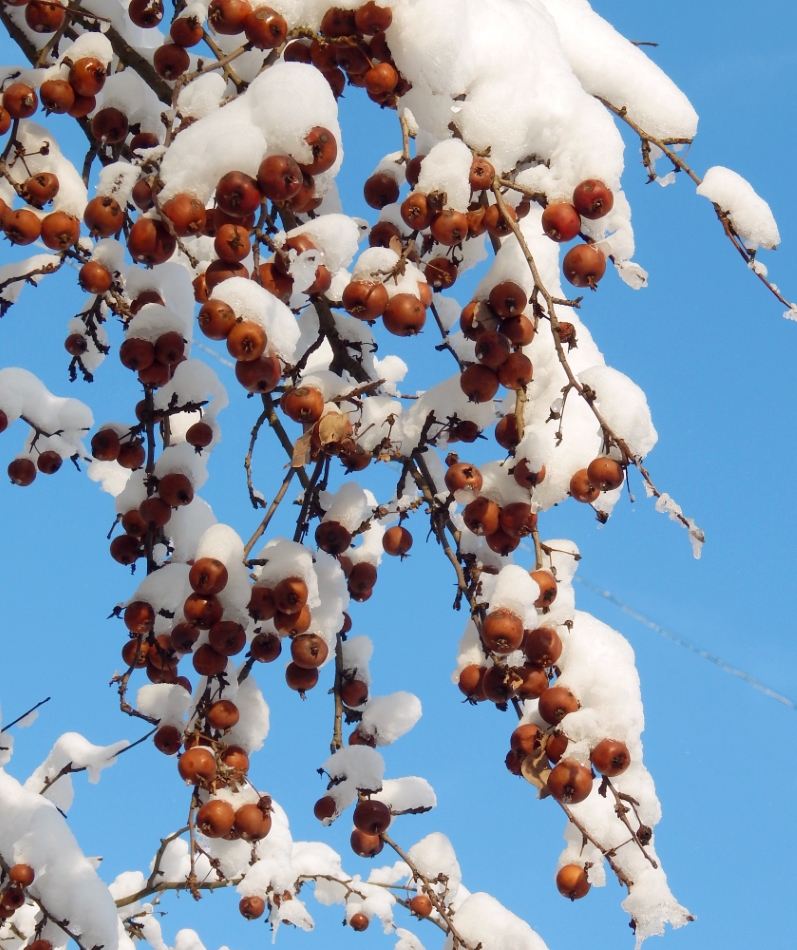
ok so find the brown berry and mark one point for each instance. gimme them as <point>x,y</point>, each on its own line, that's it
<point>610,757</point>
<point>556,703</point>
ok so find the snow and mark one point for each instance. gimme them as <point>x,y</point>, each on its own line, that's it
<point>610,66</point>
<point>33,832</point>
<point>749,214</point>
<point>482,919</point>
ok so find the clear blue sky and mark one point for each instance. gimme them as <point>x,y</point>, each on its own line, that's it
<point>709,346</point>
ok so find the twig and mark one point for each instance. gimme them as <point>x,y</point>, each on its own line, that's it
<point>587,394</point>
<point>270,513</point>
<point>257,502</point>
<point>439,904</point>
<point>20,718</point>
<point>664,145</point>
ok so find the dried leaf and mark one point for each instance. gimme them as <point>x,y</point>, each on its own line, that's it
<point>301,450</point>
<point>334,427</point>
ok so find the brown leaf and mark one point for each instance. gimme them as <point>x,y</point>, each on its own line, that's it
<point>535,769</point>
<point>334,427</point>
<point>301,450</point>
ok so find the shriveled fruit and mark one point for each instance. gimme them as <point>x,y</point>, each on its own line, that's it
<point>482,516</point>
<point>253,822</point>
<point>21,471</point>
<point>517,519</point>
<point>203,610</point>
<point>570,782</point>
<point>526,739</point>
<point>582,489</point>
<point>103,216</point>
<point>556,703</point>
<point>502,631</point>
<point>324,150</point>
<point>290,595</point>
<point>556,746</point>
<point>49,462</point>
<point>404,315</point>
<point>216,319</point>
<point>365,299</point>
<point>592,199</point>
<point>259,376</point>
<point>561,222</point>
<point>354,693</point>
<point>197,766</point>
<point>125,549</point>
<point>208,575</point>
<point>529,681</point>
<point>299,678</point>
<point>479,383</point>
<point>309,651</point>
<point>227,637</point>
<point>59,230</point>
<point>325,808</point>
<point>200,435</point>
<point>246,341</point>
<point>176,489</point>
<point>584,265</point>
<point>610,757</point>
<point>542,646</point>
<point>508,299</point>
<point>223,714</point>
<point>421,905</point>
<point>528,475</point>
<point>132,454</point>
<point>215,818</point>
<point>207,662</point>
<point>397,541</point>
<point>605,473</point>
<point>252,907</point>
<point>20,100</point>
<point>365,845</point>
<point>371,817</point>
<point>572,882</point>
<point>21,874</point>
<point>332,537</point>
<point>87,76</point>
<point>21,226</point>
<point>548,588</point>
<point>265,28</point>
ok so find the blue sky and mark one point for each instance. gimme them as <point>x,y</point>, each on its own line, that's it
<point>709,346</point>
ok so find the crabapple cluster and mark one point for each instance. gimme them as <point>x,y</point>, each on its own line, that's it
<point>214,143</point>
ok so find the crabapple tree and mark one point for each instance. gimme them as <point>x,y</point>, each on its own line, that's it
<point>196,205</point>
